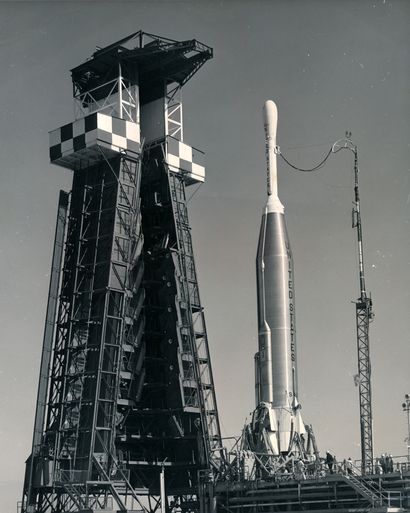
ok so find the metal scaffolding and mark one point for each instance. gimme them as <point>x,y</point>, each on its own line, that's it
<point>196,355</point>
<point>126,390</point>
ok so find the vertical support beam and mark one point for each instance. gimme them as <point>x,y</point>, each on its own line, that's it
<point>173,112</point>
<point>48,336</point>
<point>120,89</point>
<point>162,489</point>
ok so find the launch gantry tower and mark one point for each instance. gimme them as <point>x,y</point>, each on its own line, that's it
<point>126,386</point>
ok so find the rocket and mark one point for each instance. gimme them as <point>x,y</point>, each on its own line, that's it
<point>277,423</point>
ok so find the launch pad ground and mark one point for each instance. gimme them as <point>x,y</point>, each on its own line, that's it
<point>339,492</point>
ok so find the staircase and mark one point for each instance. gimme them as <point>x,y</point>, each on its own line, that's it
<point>78,494</point>
<point>120,488</point>
<point>375,495</point>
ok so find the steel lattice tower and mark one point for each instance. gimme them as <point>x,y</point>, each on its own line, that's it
<point>364,315</point>
<point>126,385</point>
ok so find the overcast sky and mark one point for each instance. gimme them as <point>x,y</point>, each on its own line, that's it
<point>330,66</point>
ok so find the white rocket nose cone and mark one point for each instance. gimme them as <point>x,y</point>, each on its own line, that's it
<point>270,118</point>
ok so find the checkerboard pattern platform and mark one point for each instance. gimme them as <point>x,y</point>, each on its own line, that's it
<point>79,144</point>
<point>184,159</point>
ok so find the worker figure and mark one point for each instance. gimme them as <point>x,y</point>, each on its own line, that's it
<point>389,463</point>
<point>330,461</point>
<point>378,467</point>
<point>349,466</point>
<point>383,463</point>
<point>300,470</point>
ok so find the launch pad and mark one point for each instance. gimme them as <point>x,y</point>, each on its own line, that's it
<point>126,418</point>
<point>336,492</point>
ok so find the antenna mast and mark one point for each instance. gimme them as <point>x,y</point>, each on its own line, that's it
<point>364,315</point>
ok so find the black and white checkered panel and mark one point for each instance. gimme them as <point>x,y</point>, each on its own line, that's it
<point>184,159</point>
<point>82,141</point>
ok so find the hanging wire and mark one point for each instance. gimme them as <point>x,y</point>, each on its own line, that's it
<point>318,166</point>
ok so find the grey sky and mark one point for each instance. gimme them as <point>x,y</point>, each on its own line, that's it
<point>330,66</point>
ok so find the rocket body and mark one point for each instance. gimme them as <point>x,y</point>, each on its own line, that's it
<point>276,313</point>
<point>277,419</point>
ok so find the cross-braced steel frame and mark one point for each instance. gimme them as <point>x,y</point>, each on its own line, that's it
<point>197,355</point>
<point>96,369</point>
<point>129,389</point>
<point>176,423</point>
<point>364,315</point>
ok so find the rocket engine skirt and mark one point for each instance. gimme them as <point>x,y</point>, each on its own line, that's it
<point>277,378</point>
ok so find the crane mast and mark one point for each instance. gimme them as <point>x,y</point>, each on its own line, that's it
<point>364,315</point>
